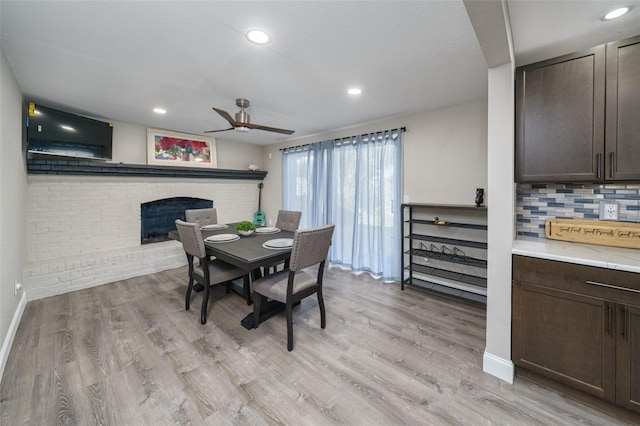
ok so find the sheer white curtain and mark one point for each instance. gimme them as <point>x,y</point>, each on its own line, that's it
<point>356,184</point>
<point>304,183</point>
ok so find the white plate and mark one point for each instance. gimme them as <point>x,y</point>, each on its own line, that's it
<point>214,226</point>
<point>222,238</point>
<point>278,243</point>
<point>267,230</point>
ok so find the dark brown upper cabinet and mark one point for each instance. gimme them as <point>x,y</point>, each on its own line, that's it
<point>622,140</point>
<point>561,108</point>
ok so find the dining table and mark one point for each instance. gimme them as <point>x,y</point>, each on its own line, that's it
<point>249,253</point>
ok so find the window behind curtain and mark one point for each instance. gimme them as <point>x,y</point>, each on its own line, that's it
<point>356,185</point>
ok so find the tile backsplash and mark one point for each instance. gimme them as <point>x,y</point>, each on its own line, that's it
<point>537,202</point>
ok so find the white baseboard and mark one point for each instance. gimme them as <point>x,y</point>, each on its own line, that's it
<point>11,332</point>
<point>501,368</point>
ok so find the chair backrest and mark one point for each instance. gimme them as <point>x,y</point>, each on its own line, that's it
<point>202,217</point>
<point>310,246</point>
<point>288,220</point>
<point>191,238</point>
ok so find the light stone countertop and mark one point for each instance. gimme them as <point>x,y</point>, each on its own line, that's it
<point>622,259</point>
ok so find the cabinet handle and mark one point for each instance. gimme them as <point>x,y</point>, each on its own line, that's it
<point>612,163</point>
<point>625,318</point>
<point>610,320</point>
<point>599,165</point>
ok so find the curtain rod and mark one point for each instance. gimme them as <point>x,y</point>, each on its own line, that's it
<point>402,129</point>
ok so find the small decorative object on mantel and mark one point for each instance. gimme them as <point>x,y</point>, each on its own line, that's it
<point>599,232</point>
<point>254,167</point>
<point>166,148</point>
<point>439,221</point>
<point>479,196</point>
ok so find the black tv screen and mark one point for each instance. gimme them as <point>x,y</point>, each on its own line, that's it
<point>53,132</point>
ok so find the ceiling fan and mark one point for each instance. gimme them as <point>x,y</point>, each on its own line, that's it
<point>242,123</point>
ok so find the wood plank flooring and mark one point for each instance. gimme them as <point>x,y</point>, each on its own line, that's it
<point>127,353</point>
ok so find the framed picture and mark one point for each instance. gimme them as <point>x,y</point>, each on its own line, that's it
<point>166,148</point>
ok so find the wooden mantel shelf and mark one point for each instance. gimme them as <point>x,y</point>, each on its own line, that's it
<point>96,168</point>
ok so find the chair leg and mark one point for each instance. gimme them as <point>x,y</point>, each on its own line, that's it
<point>289,326</point>
<point>205,302</point>
<point>323,316</point>
<point>187,300</point>
<point>257,301</point>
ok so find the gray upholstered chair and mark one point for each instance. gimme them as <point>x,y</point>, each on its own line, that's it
<point>310,247</point>
<point>288,220</point>
<point>208,272</point>
<point>202,217</point>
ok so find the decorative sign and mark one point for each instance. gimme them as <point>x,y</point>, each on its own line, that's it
<point>599,232</point>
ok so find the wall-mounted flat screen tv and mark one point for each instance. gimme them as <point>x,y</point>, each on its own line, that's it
<point>59,133</point>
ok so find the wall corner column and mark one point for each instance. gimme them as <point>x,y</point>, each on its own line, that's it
<point>497,357</point>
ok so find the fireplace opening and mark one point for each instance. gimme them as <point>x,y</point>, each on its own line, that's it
<point>158,217</point>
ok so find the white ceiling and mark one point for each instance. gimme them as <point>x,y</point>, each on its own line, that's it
<point>118,60</point>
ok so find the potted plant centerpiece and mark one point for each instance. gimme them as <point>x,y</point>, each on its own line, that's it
<point>245,228</point>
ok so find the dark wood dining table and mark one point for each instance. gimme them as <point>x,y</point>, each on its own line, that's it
<point>249,254</point>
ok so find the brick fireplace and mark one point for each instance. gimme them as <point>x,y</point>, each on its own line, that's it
<point>85,231</point>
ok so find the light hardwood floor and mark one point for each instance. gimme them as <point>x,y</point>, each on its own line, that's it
<point>128,353</point>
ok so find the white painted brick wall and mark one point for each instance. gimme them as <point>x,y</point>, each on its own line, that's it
<point>85,231</point>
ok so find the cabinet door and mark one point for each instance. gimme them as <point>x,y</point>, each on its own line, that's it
<point>565,336</point>
<point>623,110</point>
<point>560,118</point>
<point>628,354</point>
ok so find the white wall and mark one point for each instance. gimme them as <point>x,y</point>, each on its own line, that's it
<point>444,156</point>
<point>130,147</point>
<point>13,222</point>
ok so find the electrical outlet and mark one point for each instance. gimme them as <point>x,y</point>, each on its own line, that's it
<point>609,211</point>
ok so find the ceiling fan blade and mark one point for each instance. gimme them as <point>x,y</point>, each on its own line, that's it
<point>221,130</point>
<point>226,116</point>
<point>267,128</point>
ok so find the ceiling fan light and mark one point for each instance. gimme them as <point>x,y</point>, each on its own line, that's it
<point>242,129</point>
<point>616,13</point>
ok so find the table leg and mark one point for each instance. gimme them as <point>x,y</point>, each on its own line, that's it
<point>246,288</point>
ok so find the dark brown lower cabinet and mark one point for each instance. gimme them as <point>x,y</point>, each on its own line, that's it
<point>564,336</point>
<point>628,354</point>
<point>580,326</point>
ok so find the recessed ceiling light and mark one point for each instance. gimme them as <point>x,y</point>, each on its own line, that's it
<point>354,91</point>
<point>616,13</point>
<point>160,110</point>
<point>258,37</point>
